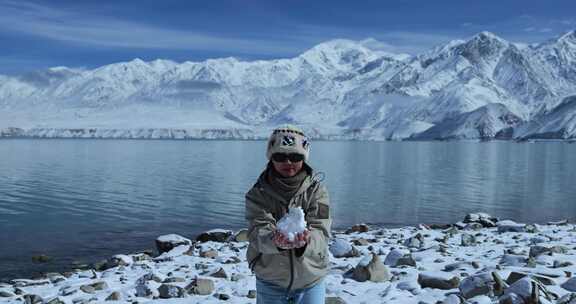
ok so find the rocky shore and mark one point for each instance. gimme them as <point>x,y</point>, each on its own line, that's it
<point>479,260</point>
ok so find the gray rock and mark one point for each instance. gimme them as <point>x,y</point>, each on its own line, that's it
<point>562,264</point>
<point>56,301</point>
<point>531,228</point>
<point>334,300</point>
<point>513,260</point>
<point>220,273</point>
<point>411,286</point>
<point>458,265</point>
<point>522,288</point>
<point>567,299</point>
<point>144,290</point>
<point>201,266</point>
<point>361,242</point>
<point>434,280</point>
<point>115,296</point>
<point>558,223</point>
<point>174,280</point>
<point>341,248</point>
<point>416,242</point>
<point>359,228</point>
<point>90,274</point>
<point>537,250</point>
<point>100,285</point>
<point>209,254</point>
<point>67,290</point>
<point>251,294</point>
<point>510,226</point>
<point>167,291</point>
<point>452,299</point>
<point>200,287</point>
<point>374,271</point>
<point>570,285</point>
<point>144,256</point>
<point>101,265</point>
<point>222,296</point>
<point>42,258</point>
<point>468,240</point>
<point>559,249</point>
<point>87,289</point>
<point>529,290</point>
<point>232,260</point>
<point>6,294</point>
<point>32,299</point>
<point>149,277</point>
<point>217,235</point>
<point>486,220</point>
<point>29,283</point>
<point>397,258</point>
<point>165,243</point>
<point>515,276</point>
<point>476,285</point>
<point>439,226</point>
<point>241,236</point>
<point>511,298</point>
<point>473,226</point>
<point>235,277</point>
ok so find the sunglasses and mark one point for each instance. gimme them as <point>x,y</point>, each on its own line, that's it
<point>282,157</point>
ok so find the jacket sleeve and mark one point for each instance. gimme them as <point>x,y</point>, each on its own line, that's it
<point>261,223</point>
<point>319,222</point>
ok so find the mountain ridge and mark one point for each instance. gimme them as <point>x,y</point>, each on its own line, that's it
<point>336,88</point>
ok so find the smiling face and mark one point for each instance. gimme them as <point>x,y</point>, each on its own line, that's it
<point>288,168</point>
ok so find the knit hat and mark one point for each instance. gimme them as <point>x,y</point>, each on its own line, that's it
<point>288,139</point>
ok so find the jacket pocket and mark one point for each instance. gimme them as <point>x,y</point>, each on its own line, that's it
<point>316,259</point>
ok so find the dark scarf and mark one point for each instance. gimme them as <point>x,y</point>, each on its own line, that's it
<point>286,186</point>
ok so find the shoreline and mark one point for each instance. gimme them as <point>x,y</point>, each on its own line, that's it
<point>481,259</point>
<point>246,134</point>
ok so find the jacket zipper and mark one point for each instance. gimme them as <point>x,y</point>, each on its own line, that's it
<point>291,271</point>
<point>291,252</point>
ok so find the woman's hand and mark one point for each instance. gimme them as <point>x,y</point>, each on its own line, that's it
<point>300,240</point>
<point>281,241</point>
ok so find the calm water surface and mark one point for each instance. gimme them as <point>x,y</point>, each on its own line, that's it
<point>85,200</point>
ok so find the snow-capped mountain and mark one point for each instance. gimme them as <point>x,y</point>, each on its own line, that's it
<point>490,121</point>
<point>483,87</point>
<point>557,123</point>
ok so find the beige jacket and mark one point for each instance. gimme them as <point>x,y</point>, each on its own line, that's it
<point>264,207</point>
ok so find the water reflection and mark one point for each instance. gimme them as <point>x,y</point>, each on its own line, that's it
<point>73,199</point>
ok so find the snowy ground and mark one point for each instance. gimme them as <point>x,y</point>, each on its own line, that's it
<point>479,260</point>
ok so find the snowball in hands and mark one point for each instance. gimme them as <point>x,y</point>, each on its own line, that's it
<point>292,223</point>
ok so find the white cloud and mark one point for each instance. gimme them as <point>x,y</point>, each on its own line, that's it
<point>82,29</point>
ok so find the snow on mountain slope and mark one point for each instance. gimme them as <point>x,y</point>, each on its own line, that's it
<point>337,89</point>
<point>489,121</point>
<point>558,123</point>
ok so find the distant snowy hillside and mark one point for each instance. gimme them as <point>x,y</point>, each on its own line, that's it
<point>480,88</point>
<point>487,122</point>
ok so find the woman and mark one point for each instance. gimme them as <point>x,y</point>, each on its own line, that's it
<point>288,271</point>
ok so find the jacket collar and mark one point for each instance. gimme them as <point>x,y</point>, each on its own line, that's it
<point>270,190</point>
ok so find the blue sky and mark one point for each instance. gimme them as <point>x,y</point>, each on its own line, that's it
<point>40,34</point>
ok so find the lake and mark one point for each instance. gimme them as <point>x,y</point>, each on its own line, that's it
<point>79,200</point>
